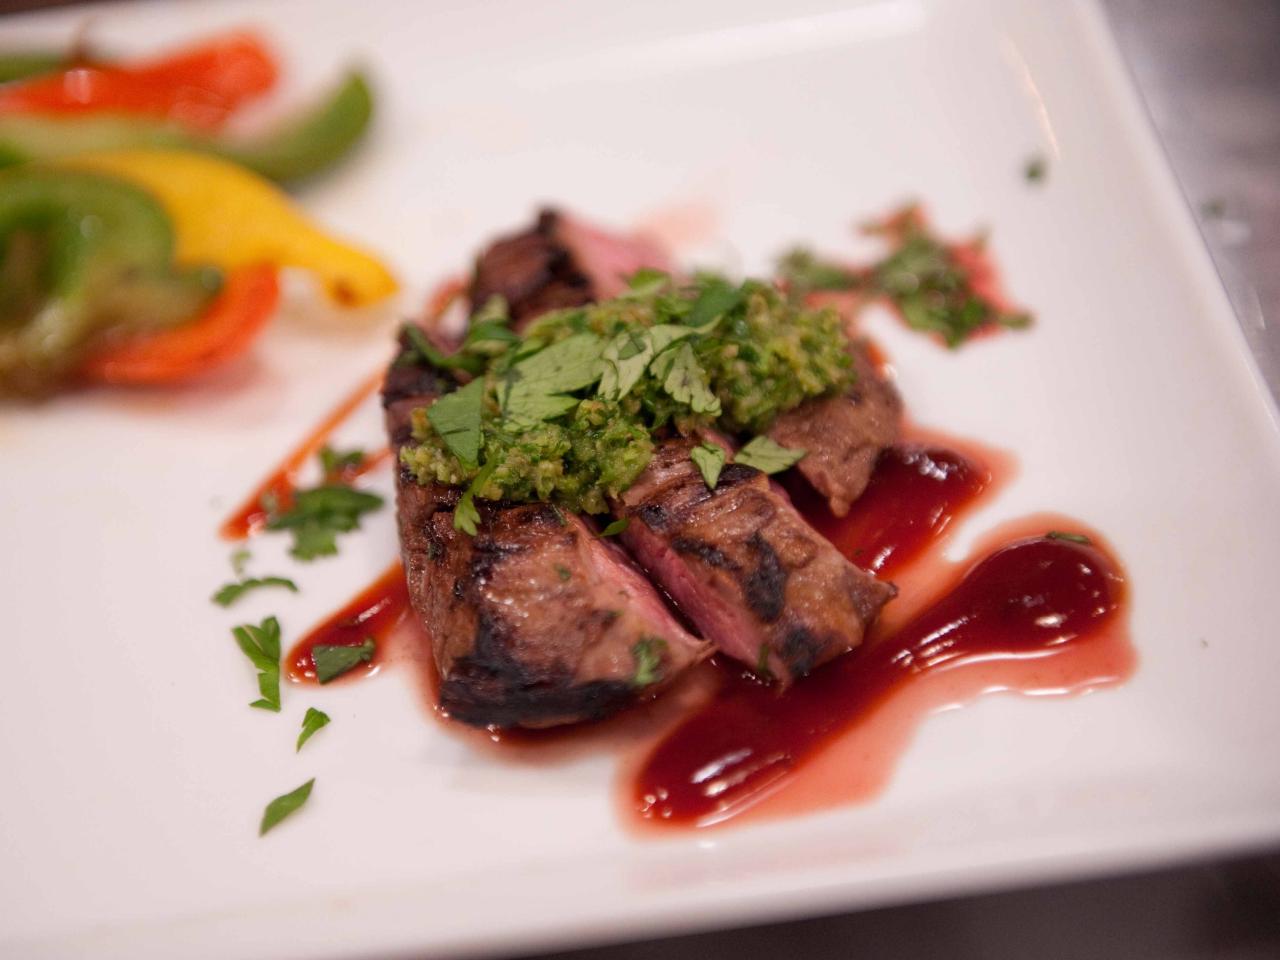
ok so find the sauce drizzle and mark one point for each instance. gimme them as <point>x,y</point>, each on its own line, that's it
<point>375,612</point>
<point>915,494</point>
<point>1030,599</point>
<point>252,516</point>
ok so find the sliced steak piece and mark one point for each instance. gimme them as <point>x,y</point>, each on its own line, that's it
<point>559,262</point>
<point>745,567</point>
<point>844,434</point>
<point>536,620</point>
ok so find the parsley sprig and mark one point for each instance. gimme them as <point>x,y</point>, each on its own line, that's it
<point>261,644</point>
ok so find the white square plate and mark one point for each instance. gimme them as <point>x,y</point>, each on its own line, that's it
<point>133,774</point>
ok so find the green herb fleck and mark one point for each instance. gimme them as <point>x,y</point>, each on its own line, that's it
<point>647,653</point>
<point>802,272</point>
<point>932,283</point>
<point>240,560</point>
<point>318,515</point>
<point>762,663</point>
<point>563,573</point>
<point>709,458</point>
<point>1036,169</point>
<point>231,592</point>
<point>261,644</point>
<point>685,380</point>
<point>284,805</point>
<point>335,463</point>
<point>422,351</point>
<point>616,527</point>
<point>767,456</point>
<point>313,721</point>
<point>333,661</point>
<point>1070,537</point>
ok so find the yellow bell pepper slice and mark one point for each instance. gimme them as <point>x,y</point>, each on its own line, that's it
<point>229,217</point>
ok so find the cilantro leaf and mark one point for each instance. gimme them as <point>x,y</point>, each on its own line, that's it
<point>647,653</point>
<point>313,721</point>
<point>261,644</point>
<point>334,462</point>
<point>709,458</point>
<point>768,457</point>
<point>803,271</point>
<point>465,514</point>
<point>333,661</point>
<point>318,515</point>
<point>231,592</point>
<point>535,386</point>
<point>456,417</point>
<point>616,527</point>
<point>425,351</point>
<point>1069,537</point>
<point>717,298</point>
<point>283,805</point>
<point>626,357</point>
<point>685,381</point>
<point>646,282</point>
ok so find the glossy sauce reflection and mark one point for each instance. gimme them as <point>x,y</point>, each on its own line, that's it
<point>377,611</point>
<point>1030,600</point>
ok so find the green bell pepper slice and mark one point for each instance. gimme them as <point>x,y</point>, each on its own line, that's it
<point>298,148</point>
<point>82,254</point>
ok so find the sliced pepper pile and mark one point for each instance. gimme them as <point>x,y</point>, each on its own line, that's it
<point>136,244</point>
<point>178,101</point>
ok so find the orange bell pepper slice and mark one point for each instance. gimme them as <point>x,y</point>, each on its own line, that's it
<point>222,332</point>
<point>198,86</point>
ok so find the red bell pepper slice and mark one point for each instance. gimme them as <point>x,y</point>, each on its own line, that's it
<point>222,332</point>
<point>198,86</point>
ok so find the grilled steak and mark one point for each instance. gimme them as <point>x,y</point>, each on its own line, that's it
<point>844,434</point>
<point>745,567</point>
<point>534,621</point>
<point>559,262</point>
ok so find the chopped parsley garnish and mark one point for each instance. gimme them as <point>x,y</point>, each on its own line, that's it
<point>231,592</point>
<point>261,644</point>
<point>804,273</point>
<point>564,573</point>
<point>569,412</point>
<point>647,653</point>
<point>240,560</point>
<point>1070,537</point>
<point>318,515</point>
<point>767,456</point>
<point>762,663</point>
<point>709,459</point>
<point>1036,169</point>
<point>282,806</point>
<point>333,661</point>
<point>337,463</point>
<point>313,721</point>
<point>932,284</point>
<point>616,527</point>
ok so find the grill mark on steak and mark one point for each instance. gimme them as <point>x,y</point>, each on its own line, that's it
<point>843,434</point>
<point>534,621</point>
<point>744,566</point>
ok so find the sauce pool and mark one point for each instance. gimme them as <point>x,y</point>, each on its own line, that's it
<point>1030,599</point>
<point>375,612</point>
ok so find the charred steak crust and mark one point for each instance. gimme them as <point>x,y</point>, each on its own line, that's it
<point>745,567</point>
<point>534,621</point>
<point>843,434</point>
<point>534,270</point>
